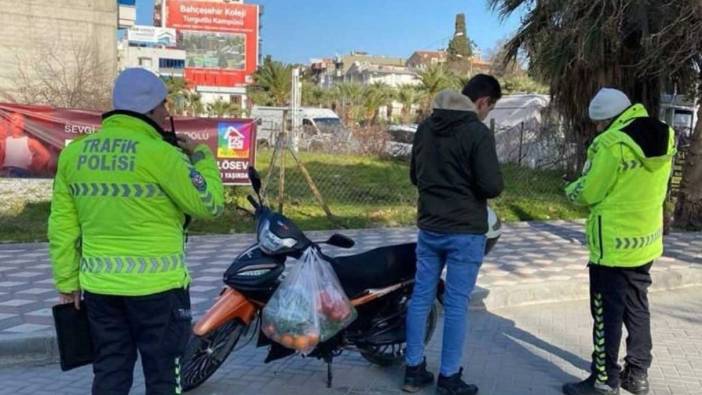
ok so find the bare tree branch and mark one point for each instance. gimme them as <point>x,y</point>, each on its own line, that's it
<point>75,78</point>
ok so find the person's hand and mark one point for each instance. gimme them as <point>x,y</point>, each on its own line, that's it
<point>187,144</point>
<point>73,297</point>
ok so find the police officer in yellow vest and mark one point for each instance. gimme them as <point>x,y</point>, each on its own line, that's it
<point>624,185</point>
<point>120,200</point>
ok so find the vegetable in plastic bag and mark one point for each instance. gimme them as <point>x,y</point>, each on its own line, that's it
<point>309,306</point>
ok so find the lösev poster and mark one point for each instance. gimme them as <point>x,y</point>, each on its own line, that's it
<point>31,138</point>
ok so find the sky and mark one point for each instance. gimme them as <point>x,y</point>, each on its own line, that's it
<point>297,31</point>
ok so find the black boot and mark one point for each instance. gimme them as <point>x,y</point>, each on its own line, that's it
<point>634,382</point>
<point>453,385</point>
<point>417,377</point>
<point>589,387</point>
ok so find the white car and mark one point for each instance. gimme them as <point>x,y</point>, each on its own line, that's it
<point>400,139</point>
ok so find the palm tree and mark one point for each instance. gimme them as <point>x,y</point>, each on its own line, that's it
<point>408,96</point>
<point>387,96</point>
<point>513,75</point>
<point>392,94</point>
<point>193,103</point>
<point>258,96</point>
<point>275,79</point>
<point>177,91</point>
<point>434,79</point>
<point>460,81</point>
<point>349,95</point>
<point>578,46</point>
<point>313,95</point>
<point>221,109</point>
<point>374,97</point>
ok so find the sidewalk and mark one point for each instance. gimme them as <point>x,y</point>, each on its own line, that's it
<point>533,262</point>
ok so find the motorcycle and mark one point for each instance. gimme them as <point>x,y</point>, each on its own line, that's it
<point>378,283</point>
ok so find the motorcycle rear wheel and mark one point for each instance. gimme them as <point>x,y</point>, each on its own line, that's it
<point>392,354</point>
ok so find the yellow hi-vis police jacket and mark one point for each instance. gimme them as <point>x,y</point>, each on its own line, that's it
<point>119,204</point>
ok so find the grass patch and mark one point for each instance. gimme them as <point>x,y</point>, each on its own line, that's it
<point>361,191</point>
<point>24,222</point>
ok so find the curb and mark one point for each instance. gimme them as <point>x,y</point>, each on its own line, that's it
<point>41,348</point>
<point>567,291</point>
<point>28,349</point>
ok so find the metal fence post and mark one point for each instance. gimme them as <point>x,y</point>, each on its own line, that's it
<point>521,143</point>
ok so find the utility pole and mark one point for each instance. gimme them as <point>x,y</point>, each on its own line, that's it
<point>295,104</point>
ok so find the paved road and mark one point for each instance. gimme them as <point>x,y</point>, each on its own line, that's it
<point>511,351</point>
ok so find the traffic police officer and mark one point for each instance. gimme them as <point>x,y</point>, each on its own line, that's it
<point>116,232</point>
<point>624,185</point>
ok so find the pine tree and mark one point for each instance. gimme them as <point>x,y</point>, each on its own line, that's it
<point>460,48</point>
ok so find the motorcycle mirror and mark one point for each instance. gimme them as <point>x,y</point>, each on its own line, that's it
<point>255,179</point>
<point>341,241</point>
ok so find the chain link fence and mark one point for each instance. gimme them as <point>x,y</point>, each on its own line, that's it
<point>363,179</point>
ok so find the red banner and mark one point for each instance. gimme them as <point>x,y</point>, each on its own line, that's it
<point>31,138</point>
<point>220,40</point>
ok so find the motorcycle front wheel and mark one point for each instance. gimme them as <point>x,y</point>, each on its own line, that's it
<point>204,355</point>
<point>392,354</point>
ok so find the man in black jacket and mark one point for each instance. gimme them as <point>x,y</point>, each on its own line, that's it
<point>454,166</point>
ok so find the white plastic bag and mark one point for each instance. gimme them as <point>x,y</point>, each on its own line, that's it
<point>309,306</point>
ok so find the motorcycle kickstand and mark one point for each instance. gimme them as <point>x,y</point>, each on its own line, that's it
<point>330,374</point>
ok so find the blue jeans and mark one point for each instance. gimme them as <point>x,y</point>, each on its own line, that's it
<point>463,255</point>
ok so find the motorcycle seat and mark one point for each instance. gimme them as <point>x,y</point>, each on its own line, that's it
<point>377,268</point>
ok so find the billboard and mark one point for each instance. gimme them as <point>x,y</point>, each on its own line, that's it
<point>152,35</point>
<point>220,40</point>
<point>32,137</point>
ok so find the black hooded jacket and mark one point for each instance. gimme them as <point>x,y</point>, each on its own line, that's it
<point>455,168</point>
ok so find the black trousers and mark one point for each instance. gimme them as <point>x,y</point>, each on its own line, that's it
<point>620,296</point>
<point>158,326</point>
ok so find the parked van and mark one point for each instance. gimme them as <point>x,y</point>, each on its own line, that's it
<point>320,126</point>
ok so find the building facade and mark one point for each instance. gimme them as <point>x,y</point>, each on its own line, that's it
<point>421,60</point>
<point>325,72</point>
<point>166,62</point>
<point>369,74</point>
<point>33,31</point>
<point>345,62</point>
<point>359,67</point>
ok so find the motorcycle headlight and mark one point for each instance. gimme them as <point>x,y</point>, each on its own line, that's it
<point>269,242</point>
